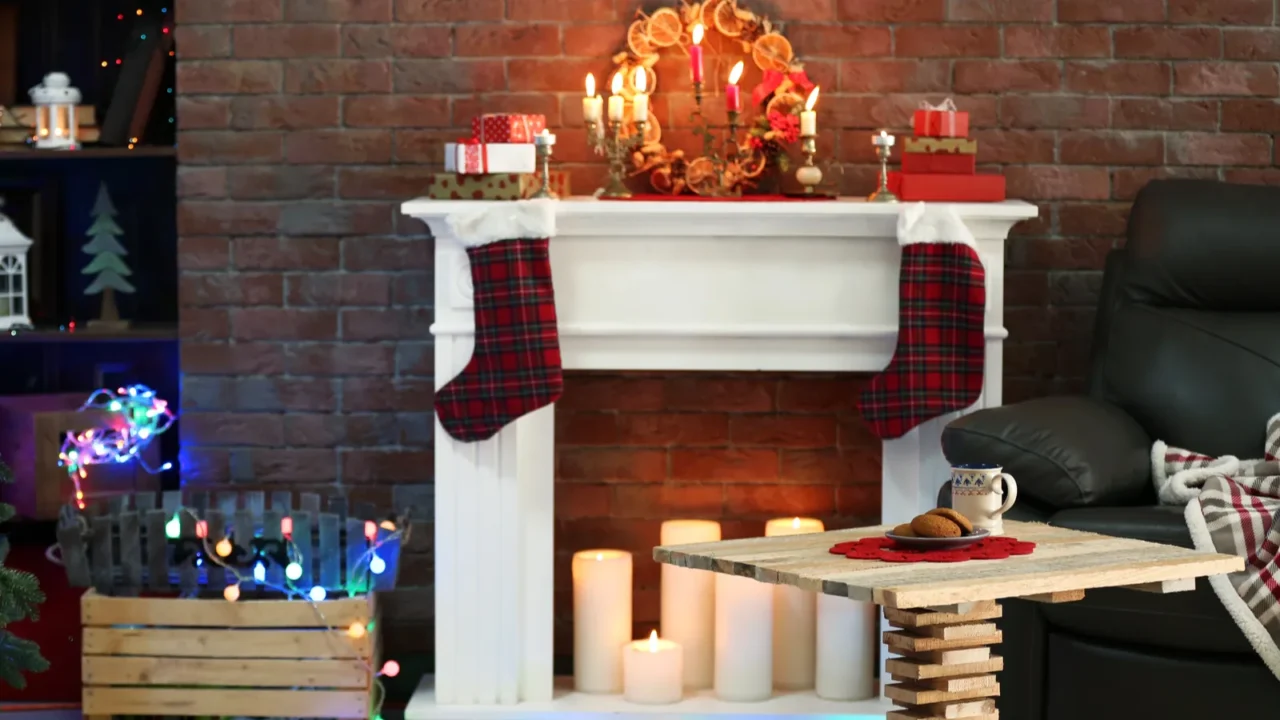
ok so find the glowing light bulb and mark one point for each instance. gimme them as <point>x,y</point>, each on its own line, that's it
<point>139,11</point>
<point>391,668</point>
<point>317,594</point>
<point>370,529</point>
<point>286,526</point>
<point>293,571</point>
<point>202,529</point>
<point>259,573</point>
<point>356,631</point>
<point>223,548</point>
<point>105,63</point>
<point>115,406</point>
<point>377,565</point>
<point>172,528</point>
<point>231,593</point>
<point>387,525</point>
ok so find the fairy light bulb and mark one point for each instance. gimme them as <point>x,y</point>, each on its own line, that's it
<point>317,594</point>
<point>286,526</point>
<point>259,573</point>
<point>356,631</point>
<point>377,565</point>
<point>387,525</point>
<point>223,548</point>
<point>231,593</point>
<point>173,528</point>
<point>293,571</point>
<point>202,529</point>
<point>370,529</point>
<point>390,668</point>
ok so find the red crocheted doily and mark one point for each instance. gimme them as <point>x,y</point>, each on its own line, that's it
<point>883,548</point>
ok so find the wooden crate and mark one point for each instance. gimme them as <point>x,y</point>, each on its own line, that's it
<point>253,658</point>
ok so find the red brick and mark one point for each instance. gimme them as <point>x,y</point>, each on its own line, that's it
<point>1226,79</point>
<point>339,10</point>
<point>803,393</point>
<point>583,501</point>
<point>1077,289</point>
<point>228,77</point>
<point>596,40</point>
<point>1167,42</point>
<point>1251,115</point>
<point>947,41</point>
<point>1065,254</point>
<point>1015,146</point>
<point>1239,44</point>
<point>611,465</point>
<point>338,289</point>
<point>422,41</point>
<point>382,324</point>
<point>1053,111</point>
<point>1025,288</point>
<point>860,503</point>
<point>668,500</point>
<point>1028,323</point>
<point>578,10</point>
<point>1129,11</point>
<point>581,428</point>
<point>1161,114</point>
<point>282,41</point>
<point>203,113</point>
<point>447,10</point>
<point>1221,12</point>
<point>449,76</point>
<point>283,113</point>
<point>340,359</point>
<point>1126,183</point>
<point>831,467</point>
<point>708,393</point>
<point>1055,41</point>
<point>208,183</point>
<point>1118,78</point>
<point>856,433</point>
<point>727,464</point>
<point>502,41</point>
<point>204,325</point>
<point>396,111</point>
<point>387,181</point>
<point>1214,149</point>
<point>229,147</point>
<point>339,146</point>
<point>291,254</point>
<point>894,76</point>
<point>465,108</point>
<point>204,41</point>
<point>200,217</point>
<point>1111,148</point>
<point>994,76</point>
<point>1052,182</point>
<point>672,429</point>
<point>1002,10</point>
<point>840,41</point>
<point>872,112</point>
<point>224,289</point>
<point>329,218</point>
<point>224,428</point>
<point>385,254</point>
<point>824,10</point>
<point>283,324</point>
<point>194,12</point>
<point>337,76</point>
<point>1254,176</point>
<point>197,252</point>
<point>770,501</point>
<point>792,431</point>
<point>552,75</point>
<point>374,41</point>
<point>384,466</point>
<point>385,395</point>
<point>280,182</point>
<point>227,359</point>
<point>591,391</point>
<point>889,11</point>
<point>1093,219</point>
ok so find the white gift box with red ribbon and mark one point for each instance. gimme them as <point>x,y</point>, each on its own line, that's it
<point>476,158</point>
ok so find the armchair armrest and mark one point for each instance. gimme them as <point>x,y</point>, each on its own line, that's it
<point>1065,452</point>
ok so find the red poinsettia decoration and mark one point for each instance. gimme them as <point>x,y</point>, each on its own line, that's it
<point>774,79</point>
<point>785,125</point>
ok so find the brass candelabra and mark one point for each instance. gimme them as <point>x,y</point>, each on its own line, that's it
<point>808,174</point>
<point>884,146</point>
<point>542,143</point>
<point>617,150</point>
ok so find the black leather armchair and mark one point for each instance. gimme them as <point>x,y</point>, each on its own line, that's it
<point>1186,350</point>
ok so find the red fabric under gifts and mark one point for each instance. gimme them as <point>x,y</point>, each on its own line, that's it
<point>939,163</point>
<point>886,550</point>
<point>947,188</point>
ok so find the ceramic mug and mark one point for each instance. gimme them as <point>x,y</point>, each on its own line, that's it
<point>983,493</point>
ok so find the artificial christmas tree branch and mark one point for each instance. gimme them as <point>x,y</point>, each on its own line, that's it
<point>20,598</point>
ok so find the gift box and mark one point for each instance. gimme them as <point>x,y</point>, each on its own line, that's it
<point>939,163</point>
<point>474,158</point>
<point>506,127</point>
<point>947,188</point>
<point>964,146</point>
<point>942,120</point>
<point>507,186</point>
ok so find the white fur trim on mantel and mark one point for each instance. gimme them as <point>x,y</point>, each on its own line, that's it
<point>932,223</point>
<point>505,221</point>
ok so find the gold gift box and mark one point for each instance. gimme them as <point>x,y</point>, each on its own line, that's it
<point>963,146</point>
<point>499,186</point>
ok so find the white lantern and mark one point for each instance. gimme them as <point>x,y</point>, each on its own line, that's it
<point>55,102</point>
<point>13,276</point>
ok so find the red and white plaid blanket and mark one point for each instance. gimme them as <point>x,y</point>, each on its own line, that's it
<point>1233,507</point>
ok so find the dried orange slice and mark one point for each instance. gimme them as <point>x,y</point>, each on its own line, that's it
<point>772,52</point>
<point>708,12</point>
<point>638,39</point>
<point>785,103</point>
<point>752,162</point>
<point>727,20</point>
<point>660,179</point>
<point>665,27</point>
<point>701,176</point>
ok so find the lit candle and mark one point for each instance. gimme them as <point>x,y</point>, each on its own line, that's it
<point>882,139</point>
<point>640,111</point>
<point>601,618</point>
<point>744,639</point>
<point>652,671</point>
<point>846,650</point>
<point>809,118</point>
<point>689,602</point>
<point>592,103</point>
<point>615,100</point>
<point>794,618</point>
<point>732,93</point>
<point>695,53</point>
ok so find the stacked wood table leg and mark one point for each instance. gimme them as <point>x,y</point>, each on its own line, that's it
<point>946,669</point>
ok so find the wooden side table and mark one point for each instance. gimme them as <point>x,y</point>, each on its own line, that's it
<point>944,613</point>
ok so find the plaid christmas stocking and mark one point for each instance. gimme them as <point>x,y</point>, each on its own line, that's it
<point>937,365</point>
<point>515,367</point>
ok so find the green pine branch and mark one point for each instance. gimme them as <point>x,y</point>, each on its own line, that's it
<point>20,599</point>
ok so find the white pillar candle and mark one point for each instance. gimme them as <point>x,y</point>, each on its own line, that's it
<point>689,602</point>
<point>640,109</point>
<point>846,649</point>
<point>601,618</point>
<point>652,671</point>
<point>744,639</point>
<point>794,618</point>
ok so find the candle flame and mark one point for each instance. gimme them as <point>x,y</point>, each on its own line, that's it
<point>591,85</point>
<point>642,80</point>
<point>736,73</point>
<point>698,31</point>
<point>599,556</point>
<point>795,523</point>
<point>813,98</point>
<point>653,641</point>
<point>616,86</point>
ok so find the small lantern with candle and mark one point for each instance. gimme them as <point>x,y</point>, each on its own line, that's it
<point>13,275</point>
<point>55,102</point>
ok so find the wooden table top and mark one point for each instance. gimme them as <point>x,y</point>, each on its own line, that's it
<point>1064,562</point>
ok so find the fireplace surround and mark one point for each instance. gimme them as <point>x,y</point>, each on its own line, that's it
<point>761,286</point>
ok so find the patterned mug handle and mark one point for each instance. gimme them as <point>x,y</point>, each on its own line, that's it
<point>1010,493</point>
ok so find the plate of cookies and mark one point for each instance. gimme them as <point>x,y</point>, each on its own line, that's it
<point>938,529</point>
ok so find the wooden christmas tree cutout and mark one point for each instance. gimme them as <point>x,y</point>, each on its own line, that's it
<point>108,263</point>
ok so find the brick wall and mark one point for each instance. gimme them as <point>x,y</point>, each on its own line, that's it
<point>306,300</point>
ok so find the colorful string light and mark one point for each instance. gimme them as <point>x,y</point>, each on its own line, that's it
<point>135,417</point>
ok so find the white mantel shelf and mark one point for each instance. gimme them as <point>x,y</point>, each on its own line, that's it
<point>802,286</point>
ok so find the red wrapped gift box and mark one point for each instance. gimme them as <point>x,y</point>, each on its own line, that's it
<point>939,163</point>
<point>507,127</point>
<point>941,120</point>
<point>947,188</point>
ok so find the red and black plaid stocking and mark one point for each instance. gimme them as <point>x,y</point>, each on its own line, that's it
<point>938,363</point>
<point>515,367</point>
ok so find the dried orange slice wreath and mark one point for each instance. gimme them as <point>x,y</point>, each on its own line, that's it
<point>665,27</point>
<point>772,51</point>
<point>784,103</point>
<point>638,39</point>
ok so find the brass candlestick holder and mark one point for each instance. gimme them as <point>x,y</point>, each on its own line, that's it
<point>808,174</point>
<point>542,144</point>
<point>884,146</point>
<point>617,149</point>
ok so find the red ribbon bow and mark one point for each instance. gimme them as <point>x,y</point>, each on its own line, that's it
<point>773,78</point>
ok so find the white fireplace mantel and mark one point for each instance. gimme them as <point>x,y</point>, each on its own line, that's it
<point>643,285</point>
